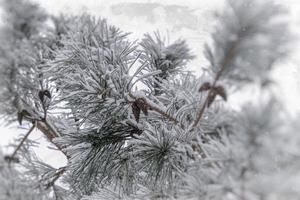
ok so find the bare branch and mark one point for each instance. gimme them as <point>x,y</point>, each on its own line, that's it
<point>225,62</point>
<point>22,141</point>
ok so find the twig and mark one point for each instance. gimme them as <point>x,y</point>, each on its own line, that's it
<point>45,127</point>
<point>225,62</point>
<point>22,141</point>
<point>200,113</point>
<point>44,109</point>
<point>57,175</point>
<point>50,133</point>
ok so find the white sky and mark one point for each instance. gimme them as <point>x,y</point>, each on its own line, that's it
<point>193,22</point>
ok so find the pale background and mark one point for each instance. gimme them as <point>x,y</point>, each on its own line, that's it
<point>191,20</point>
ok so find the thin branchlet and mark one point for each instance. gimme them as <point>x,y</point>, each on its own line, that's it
<point>227,59</point>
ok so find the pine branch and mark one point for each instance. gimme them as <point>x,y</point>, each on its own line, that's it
<point>158,110</point>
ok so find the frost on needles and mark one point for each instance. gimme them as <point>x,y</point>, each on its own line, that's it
<point>133,122</point>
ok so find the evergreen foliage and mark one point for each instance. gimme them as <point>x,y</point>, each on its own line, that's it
<point>131,120</point>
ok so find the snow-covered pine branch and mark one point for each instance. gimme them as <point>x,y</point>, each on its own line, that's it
<point>132,121</point>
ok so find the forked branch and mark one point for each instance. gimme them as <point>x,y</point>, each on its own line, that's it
<point>228,57</point>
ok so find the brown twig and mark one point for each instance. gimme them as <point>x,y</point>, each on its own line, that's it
<point>22,141</point>
<point>224,63</point>
<point>43,125</point>
<point>200,113</point>
<point>50,134</point>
